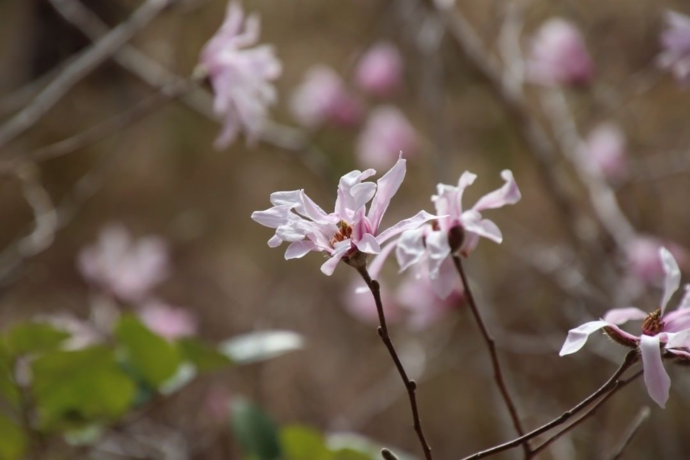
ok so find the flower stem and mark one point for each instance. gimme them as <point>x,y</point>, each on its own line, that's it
<point>491,345</point>
<point>611,385</point>
<point>410,385</point>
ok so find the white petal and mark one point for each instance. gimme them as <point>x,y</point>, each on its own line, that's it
<point>273,217</point>
<point>623,315</point>
<point>361,194</point>
<point>368,244</point>
<point>404,225</point>
<point>446,279</point>
<point>655,376</point>
<point>275,241</point>
<point>508,194</point>
<point>438,249</point>
<point>410,248</point>
<point>388,186</point>
<point>685,302</point>
<point>679,339</point>
<point>299,249</point>
<point>472,222</point>
<point>340,249</point>
<point>578,337</point>
<point>672,278</point>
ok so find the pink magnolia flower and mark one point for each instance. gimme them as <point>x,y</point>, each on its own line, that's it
<point>660,332</point>
<point>346,232</point>
<point>386,134</point>
<point>559,55</point>
<point>169,322</point>
<point>359,302</point>
<point>241,76</point>
<point>323,98</point>
<point>379,71</point>
<point>675,41</point>
<point>606,151</point>
<point>417,296</point>
<point>127,268</point>
<point>456,231</point>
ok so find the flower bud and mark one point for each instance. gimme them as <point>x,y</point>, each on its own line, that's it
<point>379,71</point>
<point>386,133</point>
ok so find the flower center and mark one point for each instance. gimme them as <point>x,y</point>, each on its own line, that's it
<point>344,232</point>
<point>653,323</point>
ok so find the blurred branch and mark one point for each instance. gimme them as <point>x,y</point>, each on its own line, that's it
<point>611,385</point>
<point>410,385</point>
<point>642,417</point>
<point>491,345</point>
<point>78,69</point>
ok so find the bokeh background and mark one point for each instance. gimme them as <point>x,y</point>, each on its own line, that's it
<point>162,176</point>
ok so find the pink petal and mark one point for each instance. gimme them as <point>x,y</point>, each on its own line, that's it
<point>623,315</point>
<point>472,222</point>
<point>368,244</point>
<point>438,249</point>
<point>679,340</point>
<point>340,249</point>
<point>275,241</point>
<point>446,280</point>
<point>273,217</point>
<point>388,186</point>
<point>578,337</point>
<point>508,194</point>
<point>410,247</point>
<point>677,320</point>
<point>362,193</point>
<point>672,276</point>
<point>404,225</point>
<point>685,302</point>
<point>299,249</point>
<point>655,376</point>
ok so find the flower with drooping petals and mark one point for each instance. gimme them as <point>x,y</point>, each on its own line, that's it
<point>241,76</point>
<point>323,98</point>
<point>455,232</point>
<point>379,71</point>
<point>168,322</point>
<point>350,230</point>
<point>675,41</point>
<point>559,55</point>
<point>127,268</point>
<point>417,296</point>
<point>606,151</point>
<point>358,301</point>
<point>661,332</point>
<point>386,133</point>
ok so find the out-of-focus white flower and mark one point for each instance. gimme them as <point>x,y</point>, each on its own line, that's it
<point>122,266</point>
<point>323,98</point>
<point>675,40</point>
<point>379,71</point>
<point>166,321</point>
<point>241,76</point>
<point>559,55</point>
<point>605,150</point>
<point>386,133</point>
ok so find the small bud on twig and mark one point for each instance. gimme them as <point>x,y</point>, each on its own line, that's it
<point>388,455</point>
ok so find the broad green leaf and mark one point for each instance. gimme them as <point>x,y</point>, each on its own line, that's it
<point>303,443</point>
<point>203,357</point>
<point>79,386</point>
<point>260,346</point>
<point>254,431</point>
<point>12,440</point>
<point>33,337</point>
<point>150,356</point>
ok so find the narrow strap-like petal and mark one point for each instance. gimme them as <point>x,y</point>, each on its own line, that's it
<point>672,276</point>
<point>655,376</point>
<point>406,224</point>
<point>578,337</point>
<point>387,186</point>
<point>509,193</point>
<point>299,249</point>
<point>623,315</point>
<point>368,244</point>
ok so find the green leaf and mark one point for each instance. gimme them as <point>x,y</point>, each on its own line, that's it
<point>8,389</point>
<point>303,443</point>
<point>12,440</point>
<point>33,337</point>
<point>150,356</point>
<point>203,357</point>
<point>255,432</point>
<point>78,386</point>
<point>260,346</point>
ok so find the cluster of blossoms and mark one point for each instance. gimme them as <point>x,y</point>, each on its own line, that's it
<point>128,270</point>
<point>663,334</point>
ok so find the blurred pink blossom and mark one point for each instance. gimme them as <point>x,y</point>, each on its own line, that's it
<point>359,302</point>
<point>643,257</point>
<point>416,294</point>
<point>346,232</point>
<point>217,403</point>
<point>122,266</point>
<point>660,331</point>
<point>323,98</point>
<point>241,76</point>
<point>430,245</point>
<point>379,71</point>
<point>386,133</point>
<point>675,41</point>
<point>606,151</point>
<point>168,322</point>
<point>559,55</point>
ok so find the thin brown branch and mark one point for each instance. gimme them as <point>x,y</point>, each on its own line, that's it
<point>410,385</point>
<point>642,416</point>
<point>610,384</point>
<point>495,363</point>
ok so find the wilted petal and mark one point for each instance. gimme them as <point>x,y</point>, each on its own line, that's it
<point>299,249</point>
<point>672,276</point>
<point>368,244</point>
<point>472,222</point>
<point>623,315</point>
<point>578,337</point>
<point>387,187</point>
<point>655,376</point>
<point>404,225</point>
<point>508,194</point>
